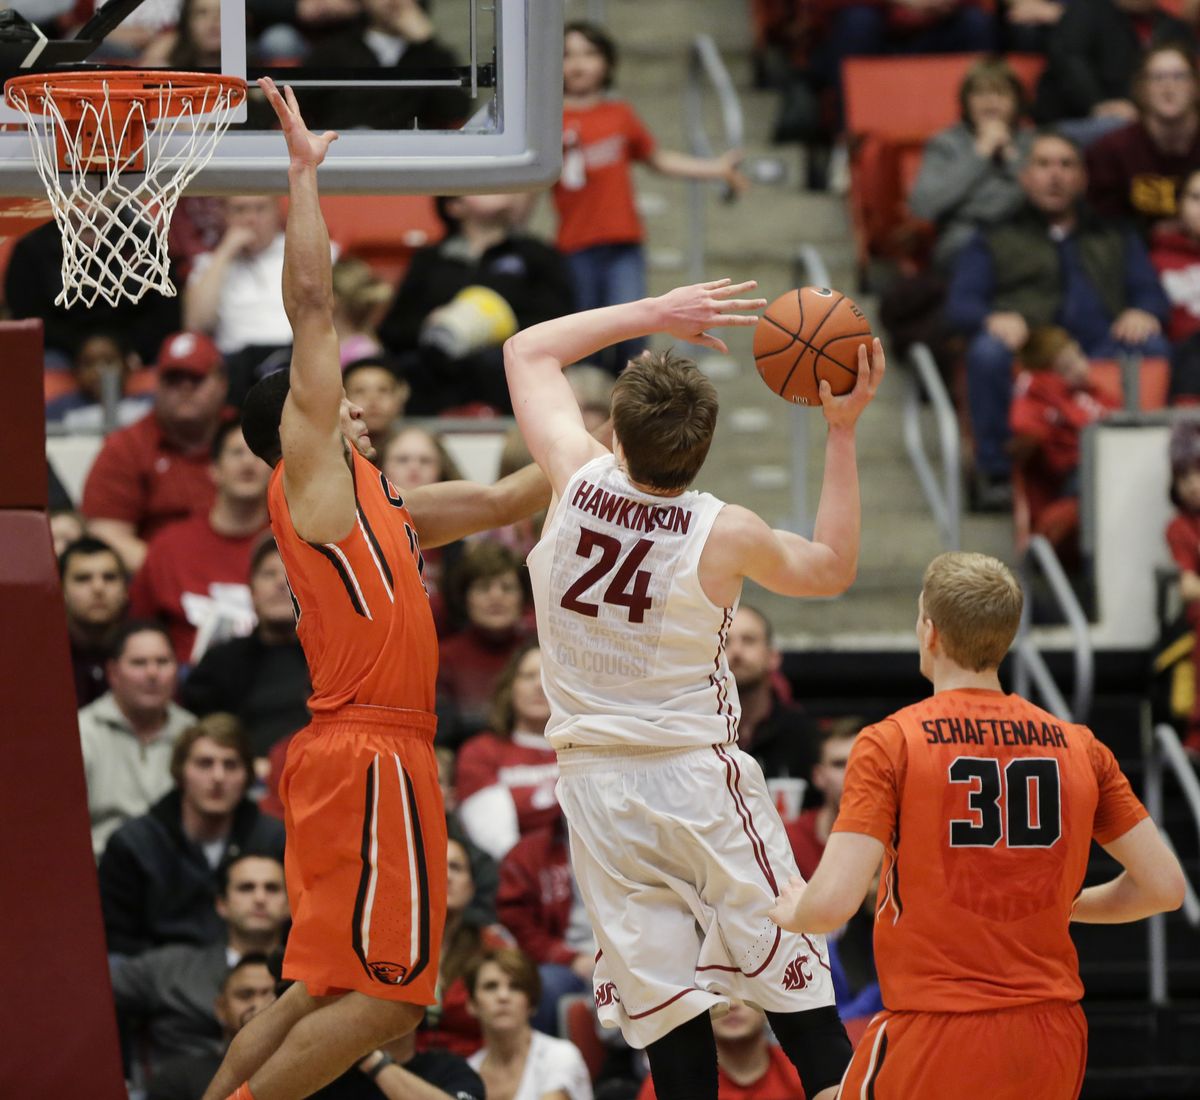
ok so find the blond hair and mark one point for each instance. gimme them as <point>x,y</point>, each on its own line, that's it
<point>975,602</point>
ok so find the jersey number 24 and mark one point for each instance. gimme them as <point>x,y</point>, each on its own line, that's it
<point>627,589</point>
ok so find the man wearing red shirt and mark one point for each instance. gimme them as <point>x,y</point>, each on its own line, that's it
<point>749,1067</point>
<point>194,575</point>
<point>810,831</point>
<point>156,470</point>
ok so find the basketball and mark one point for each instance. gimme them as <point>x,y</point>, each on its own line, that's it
<point>806,335</point>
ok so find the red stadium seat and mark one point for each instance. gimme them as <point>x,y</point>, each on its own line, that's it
<point>384,230</point>
<point>577,1022</point>
<point>1154,381</point>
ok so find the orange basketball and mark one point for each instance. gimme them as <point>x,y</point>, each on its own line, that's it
<point>806,335</point>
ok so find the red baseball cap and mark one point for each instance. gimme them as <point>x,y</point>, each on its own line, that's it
<point>192,352</point>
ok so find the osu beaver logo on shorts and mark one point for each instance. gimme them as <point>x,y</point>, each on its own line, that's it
<point>389,973</point>
<point>797,974</point>
<point>606,994</point>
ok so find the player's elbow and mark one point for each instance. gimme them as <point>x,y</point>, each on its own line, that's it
<point>1170,888</point>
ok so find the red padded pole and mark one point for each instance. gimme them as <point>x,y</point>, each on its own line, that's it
<point>56,1010</point>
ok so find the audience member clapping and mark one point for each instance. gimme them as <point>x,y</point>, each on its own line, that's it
<point>95,590</point>
<point>262,678</point>
<point>1134,173</point>
<point>506,776</point>
<point>1053,262</point>
<point>157,469</point>
<point>487,590</point>
<point>81,409</point>
<point>194,577</point>
<point>1183,541</point>
<point>516,1061</point>
<point>128,735</point>
<point>167,998</point>
<point>159,873</point>
<point>375,386</point>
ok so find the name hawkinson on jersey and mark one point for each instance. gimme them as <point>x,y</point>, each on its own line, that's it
<point>994,731</point>
<point>634,515</point>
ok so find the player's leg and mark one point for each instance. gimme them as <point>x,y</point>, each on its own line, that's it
<point>683,1063</point>
<point>816,1043</point>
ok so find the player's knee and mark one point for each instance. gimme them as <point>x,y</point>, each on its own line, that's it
<point>816,1043</point>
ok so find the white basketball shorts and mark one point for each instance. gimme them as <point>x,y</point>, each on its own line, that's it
<point>679,854</point>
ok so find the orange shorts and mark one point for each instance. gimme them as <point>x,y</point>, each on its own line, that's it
<point>1036,1050</point>
<point>366,854</point>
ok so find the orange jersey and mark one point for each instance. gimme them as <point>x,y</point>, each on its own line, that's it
<point>986,806</point>
<point>362,613</point>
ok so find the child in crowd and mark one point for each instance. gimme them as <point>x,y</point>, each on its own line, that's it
<point>77,405</point>
<point>598,226</point>
<point>1053,401</point>
<point>1183,539</point>
<point>360,298</point>
<point>1175,253</point>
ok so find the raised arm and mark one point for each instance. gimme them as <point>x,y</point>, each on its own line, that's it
<point>450,510</point>
<point>534,359</point>
<point>317,480</point>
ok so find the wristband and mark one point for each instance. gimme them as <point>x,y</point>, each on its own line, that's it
<point>385,1060</point>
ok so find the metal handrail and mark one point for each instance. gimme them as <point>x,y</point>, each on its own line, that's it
<point>1163,747</point>
<point>944,498</point>
<point>706,67</point>
<point>1030,663</point>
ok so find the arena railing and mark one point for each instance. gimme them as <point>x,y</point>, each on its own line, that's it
<point>1163,752</point>
<point>1030,666</point>
<point>943,492</point>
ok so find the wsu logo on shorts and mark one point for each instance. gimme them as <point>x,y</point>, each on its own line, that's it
<point>606,994</point>
<point>388,973</point>
<point>797,975</point>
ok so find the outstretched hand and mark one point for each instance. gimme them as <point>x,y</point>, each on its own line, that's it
<point>688,310</point>
<point>305,148</point>
<point>844,411</point>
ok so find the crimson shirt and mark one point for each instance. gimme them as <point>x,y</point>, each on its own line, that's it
<point>1183,539</point>
<point>780,1082</point>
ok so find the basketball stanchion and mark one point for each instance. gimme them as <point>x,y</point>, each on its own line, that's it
<point>115,151</point>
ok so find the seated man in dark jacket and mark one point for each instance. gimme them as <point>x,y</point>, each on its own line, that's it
<point>159,875</point>
<point>482,248</point>
<point>1053,262</point>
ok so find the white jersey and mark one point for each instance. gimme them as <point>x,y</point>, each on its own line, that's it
<point>633,651</point>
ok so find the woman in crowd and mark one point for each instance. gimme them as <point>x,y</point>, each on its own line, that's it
<point>506,776</point>
<point>516,1062</point>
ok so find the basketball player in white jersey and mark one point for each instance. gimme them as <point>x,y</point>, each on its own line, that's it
<point>677,847</point>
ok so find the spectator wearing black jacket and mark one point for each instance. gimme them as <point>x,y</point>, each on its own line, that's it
<point>160,873</point>
<point>483,247</point>
<point>262,678</point>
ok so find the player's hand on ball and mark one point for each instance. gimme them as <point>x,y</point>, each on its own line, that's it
<point>783,912</point>
<point>844,411</point>
<point>688,310</point>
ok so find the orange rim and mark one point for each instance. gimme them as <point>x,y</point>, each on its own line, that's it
<point>123,86</point>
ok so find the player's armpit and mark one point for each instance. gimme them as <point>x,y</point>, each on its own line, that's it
<point>1152,882</point>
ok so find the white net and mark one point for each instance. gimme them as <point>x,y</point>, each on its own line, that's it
<point>125,162</point>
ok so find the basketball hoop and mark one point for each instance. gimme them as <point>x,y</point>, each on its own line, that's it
<point>115,151</point>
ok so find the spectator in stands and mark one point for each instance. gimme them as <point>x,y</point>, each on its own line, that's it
<point>375,386</point>
<point>454,357</point>
<point>129,733</point>
<point>968,176</point>
<point>194,43</point>
<point>506,776</point>
<point>540,904</point>
<point>248,987</point>
<point>1053,262</point>
<point>599,230</point>
<point>449,1025</point>
<point>1028,24</point>
<point>517,1061</point>
<point>360,298</point>
<point>1053,401</point>
<point>66,527</point>
<point>1092,54</point>
<point>1175,252</point>
<point>397,37</point>
<point>157,469</point>
<point>778,735</point>
<point>33,281</point>
<point>262,678</point>
<point>81,409</point>
<point>488,591</point>
<point>194,577</point>
<point>411,458</point>
<point>159,872</point>
<point>810,831</point>
<point>1183,541</point>
<point>167,997</point>
<point>95,590</point>
<point>749,1066</point>
<point>1135,173</point>
<point>868,27</point>
<point>399,1069</point>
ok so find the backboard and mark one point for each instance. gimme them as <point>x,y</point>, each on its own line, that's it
<point>470,101</point>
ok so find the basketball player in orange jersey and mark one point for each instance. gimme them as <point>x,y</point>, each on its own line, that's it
<point>366,835</point>
<point>983,808</point>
